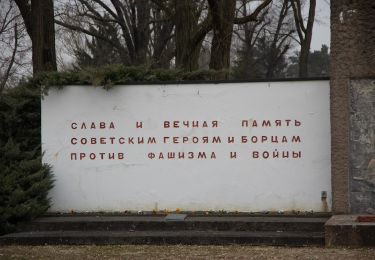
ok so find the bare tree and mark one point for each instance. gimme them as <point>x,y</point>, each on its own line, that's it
<point>38,17</point>
<point>14,47</point>
<point>188,28</point>
<point>7,72</point>
<point>192,23</point>
<point>246,37</point>
<point>162,47</point>
<point>8,24</point>
<point>223,13</point>
<point>304,32</point>
<point>154,31</point>
<point>265,42</point>
<point>132,18</point>
<point>223,19</point>
<point>280,38</point>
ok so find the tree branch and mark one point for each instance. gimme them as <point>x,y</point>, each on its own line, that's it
<point>91,33</point>
<point>254,15</point>
<point>297,21</point>
<point>7,73</point>
<point>25,10</point>
<point>162,6</point>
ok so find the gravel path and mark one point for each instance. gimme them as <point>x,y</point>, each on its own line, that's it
<point>183,252</point>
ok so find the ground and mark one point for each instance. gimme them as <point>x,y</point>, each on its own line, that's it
<point>183,252</point>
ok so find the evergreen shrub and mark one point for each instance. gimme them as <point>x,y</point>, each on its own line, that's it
<point>24,181</point>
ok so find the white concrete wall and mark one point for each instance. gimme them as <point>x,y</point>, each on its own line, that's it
<point>142,180</point>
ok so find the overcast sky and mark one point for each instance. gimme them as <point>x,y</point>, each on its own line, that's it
<point>321,33</point>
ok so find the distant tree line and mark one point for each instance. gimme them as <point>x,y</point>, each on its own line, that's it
<point>247,39</point>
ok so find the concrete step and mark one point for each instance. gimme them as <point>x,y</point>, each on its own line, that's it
<point>158,223</point>
<point>163,237</point>
<point>157,229</point>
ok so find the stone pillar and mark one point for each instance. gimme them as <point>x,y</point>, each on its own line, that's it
<point>352,57</point>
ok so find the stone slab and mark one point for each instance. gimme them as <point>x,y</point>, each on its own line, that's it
<point>163,237</point>
<point>346,230</point>
<point>362,146</point>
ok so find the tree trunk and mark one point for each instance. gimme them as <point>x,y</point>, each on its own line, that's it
<point>186,20</point>
<point>142,32</point>
<point>43,36</point>
<point>223,12</point>
<point>305,47</point>
<point>304,33</point>
<point>162,39</point>
<point>303,61</point>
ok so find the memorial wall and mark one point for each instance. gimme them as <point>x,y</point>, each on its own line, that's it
<point>250,147</point>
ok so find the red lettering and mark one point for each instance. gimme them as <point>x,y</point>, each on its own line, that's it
<point>296,139</point>
<point>202,155</point>
<point>266,123</point>
<point>151,140</point>
<point>216,140</point>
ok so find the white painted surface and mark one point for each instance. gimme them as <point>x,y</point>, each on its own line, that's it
<point>140,183</point>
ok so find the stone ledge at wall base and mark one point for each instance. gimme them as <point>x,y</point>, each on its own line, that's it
<point>159,229</point>
<point>350,230</point>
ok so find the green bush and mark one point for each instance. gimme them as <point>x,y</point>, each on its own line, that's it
<point>24,181</point>
<point>109,76</point>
